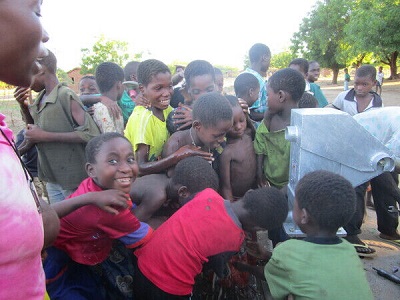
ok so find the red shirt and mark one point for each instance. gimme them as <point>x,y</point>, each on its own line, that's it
<point>86,234</point>
<point>179,247</point>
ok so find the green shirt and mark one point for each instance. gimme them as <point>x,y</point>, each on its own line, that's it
<point>316,271</point>
<point>127,105</point>
<point>276,151</point>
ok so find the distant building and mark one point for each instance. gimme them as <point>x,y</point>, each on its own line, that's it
<point>74,76</point>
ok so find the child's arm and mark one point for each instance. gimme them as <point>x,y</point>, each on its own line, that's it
<point>184,118</point>
<point>112,106</point>
<point>22,95</point>
<point>225,174</point>
<point>104,200</point>
<point>261,180</point>
<point>256,116</point>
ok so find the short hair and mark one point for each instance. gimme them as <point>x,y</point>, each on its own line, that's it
<point>217,71</point>
<point>267,207</point>
<point>308,101</point>
<point>49,62</point>
<point>107,74</point>
<point>198,68</point>
<point>312,62</point>
<point>366,71</point>
<point>290,81</point>
<point>329,198</point>
<point>302,63</point>
<point>94,145</point>
<point>244,82</point>
<point>149,68</point>
<point>211,108</point>
<point>257,51</point>
<point>196,174</point>
<point>131,69</point>
<point>233,101</point>
<point>88,77</point>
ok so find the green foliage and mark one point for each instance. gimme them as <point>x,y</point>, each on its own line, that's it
<point>281,60</point>
<point>320,36</point>
<point>246,61</point>
<point>106,50</point>
<point>63,76</point>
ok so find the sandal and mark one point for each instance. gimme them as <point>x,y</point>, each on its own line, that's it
<point>387,239</point>
<point>364,250</point>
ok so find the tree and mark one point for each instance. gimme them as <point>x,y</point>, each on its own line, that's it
<point>281,60</point>
<point>320,36</point>
<point>63,76</point>
<point>374,27</point>
<point>105,50</point>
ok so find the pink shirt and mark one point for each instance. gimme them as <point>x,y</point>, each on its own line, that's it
<point>21,229</point>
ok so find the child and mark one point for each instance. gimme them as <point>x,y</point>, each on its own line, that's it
<point>61,130</point>
<point>322,266</point>
<point>88,86</point>
<point>313,71</point>
<point>205,226</point>
<point>238,165</point>
<point>301,65</point>
<point>219,80</point>
<point>308,101</point>
<point>129,96</point>
<point>156,196</point>
<point>109,77</point>
<point>379,80</point>
<point>87,241</point>
<point>212,118</point>
<point>146,128</point>
<point>285,88</point>
<point>361,97</point>
<point>346,79</point>
<point>247,88</point>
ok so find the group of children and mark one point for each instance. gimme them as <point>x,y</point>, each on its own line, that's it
<point>107,211</point>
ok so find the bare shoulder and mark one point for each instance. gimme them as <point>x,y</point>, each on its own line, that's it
<point>148,186</point>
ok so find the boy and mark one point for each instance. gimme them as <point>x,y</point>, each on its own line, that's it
<point>308,101</point>
<point>247,88</point>
<point>146,128</point>
<point>212,118</point>
<point>61,130</point>
<point>155,195</point>
<point>109,77</point>
<point>127,101</point>
<point>322,266</point>
<point>346,79</point>
<point>313,71</point>
<point>237,169</point>
<point>205,226</point>
<point>379,80</point>
<point>301,65</point>
<point>87,241</point>
<point>361,97</point>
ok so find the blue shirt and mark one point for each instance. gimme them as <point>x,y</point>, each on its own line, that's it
<point>261,104</point>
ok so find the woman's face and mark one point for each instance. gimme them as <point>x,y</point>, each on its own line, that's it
<point>22,38</point>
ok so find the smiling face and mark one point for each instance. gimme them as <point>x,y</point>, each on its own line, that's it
<point>88,86</point>
<point>115,166</point>
<point>363,85</point>
<point>212,136</point>
<point>200,85</point>
<point>239,123</point>
<point>313,72</point>
<point>21,37</point>
<point>159,90</point>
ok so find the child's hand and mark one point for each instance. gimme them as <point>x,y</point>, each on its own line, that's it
<point>23,95</point>
<point>140,100</point>
<point>184,117</point>
<point>243,104</point>
<point>34,134</point>
<point>112,106</point>
<point>191,150</point>
<point>109,198</point>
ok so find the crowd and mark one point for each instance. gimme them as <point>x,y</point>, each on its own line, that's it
<point>148,200</point>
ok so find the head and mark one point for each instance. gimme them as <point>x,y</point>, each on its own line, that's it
<point>212,118</point>
<point>266,208</point>
<point>179,69</point>
<point>345,70</point>
<point>284,86</point>
<point>301,65</point>
<point>364,80</point>
<point>88,85</point>
<point>239,119</point>
<point>48,69</point>
<point>191,175</point>
<point>130,71</point>
<point>219,80</point>
<point>199,78</point>
<point>109,77</point>
<point>110,161</point>
<point>247,87</point>
<point>380,69</point>
<point>323,201</point>
<point>308,101</point>
<point>23,38</point>
<point>260,58</point>
<point>154,78</point>
<point>313,71</point>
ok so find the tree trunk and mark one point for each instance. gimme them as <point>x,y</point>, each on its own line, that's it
<point>335,75</point>
<point>392,62</point>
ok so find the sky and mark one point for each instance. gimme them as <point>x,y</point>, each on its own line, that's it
<point>219,31</point>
